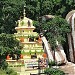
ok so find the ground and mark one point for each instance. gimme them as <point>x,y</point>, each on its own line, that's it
<point>68,68</point>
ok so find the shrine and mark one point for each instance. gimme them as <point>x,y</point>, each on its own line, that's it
<point>30,40</point>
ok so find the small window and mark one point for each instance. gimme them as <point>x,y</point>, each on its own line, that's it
<point>29,25</point>
<point>23,31</point>
<point>31,38</point>
<point>33,56</point>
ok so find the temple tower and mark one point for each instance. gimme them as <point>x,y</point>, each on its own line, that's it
<point>30,40</point>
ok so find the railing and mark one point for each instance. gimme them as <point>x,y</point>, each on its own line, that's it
<point>26,34</point>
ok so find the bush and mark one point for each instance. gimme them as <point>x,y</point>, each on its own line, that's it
<point>2,72</point>
<point>51,63</point>
<point>3,64</point>
<point>11,72</point>
<point>54,71</point>
<point>7,72</point>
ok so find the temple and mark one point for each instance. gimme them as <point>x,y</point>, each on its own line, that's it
<point>30,40</point>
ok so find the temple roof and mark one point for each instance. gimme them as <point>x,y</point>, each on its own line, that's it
<point>25,22</point>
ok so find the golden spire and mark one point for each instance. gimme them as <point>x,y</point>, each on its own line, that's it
<point>24,11</point>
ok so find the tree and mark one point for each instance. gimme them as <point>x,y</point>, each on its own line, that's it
<point>8,43</point>
<point>11,10</point>
<point>55,29</point>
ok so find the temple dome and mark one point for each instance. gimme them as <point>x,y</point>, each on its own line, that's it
<point>25,22</point>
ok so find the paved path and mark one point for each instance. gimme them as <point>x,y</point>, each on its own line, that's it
<point>68,68</point>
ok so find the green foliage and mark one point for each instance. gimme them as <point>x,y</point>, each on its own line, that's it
<point>36,24</point>
<point>8,45</point>
<point>3,64</point>
<point>51,63</point>
<point>54,71</point>
<point>2,72</point>
<point>56,28</point>
<point>7,72</point>
<point>11,72</point>
<point>11,10</point>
